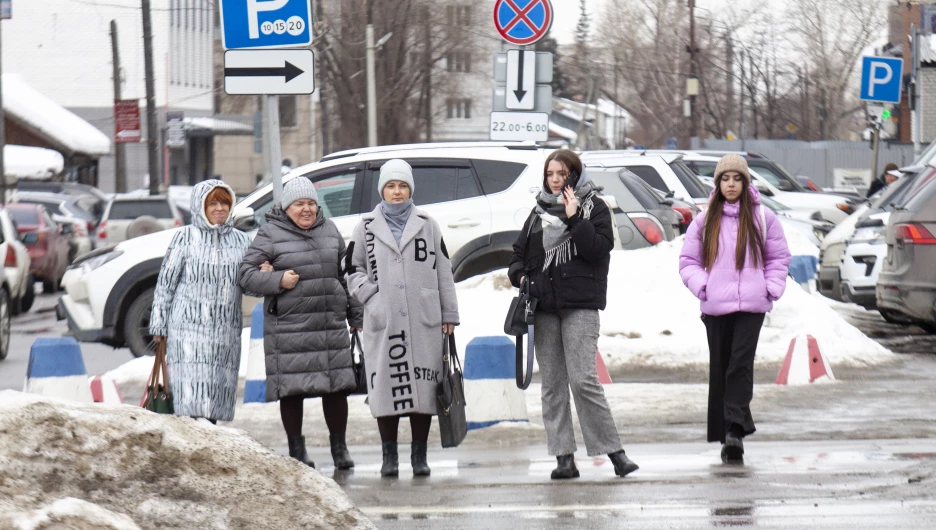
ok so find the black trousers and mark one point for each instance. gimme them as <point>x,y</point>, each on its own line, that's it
<point>732,340</point>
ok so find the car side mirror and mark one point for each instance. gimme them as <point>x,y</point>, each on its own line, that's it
<point>785,186</point>
<point>761,187</point>
<point>29,238</point>
<point>668,201</point>
<point>66,229</point>
<point>245,220</point>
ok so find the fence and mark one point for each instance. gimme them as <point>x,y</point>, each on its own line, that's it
<point>820,160</point>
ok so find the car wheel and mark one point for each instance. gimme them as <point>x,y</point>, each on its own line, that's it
<point>48,286</point>
<point>893,318</point>
<point>4,323</point>
<point>29,296</point>
<point>136,325</point>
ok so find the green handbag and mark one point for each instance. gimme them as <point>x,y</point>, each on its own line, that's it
<point>157,397</point>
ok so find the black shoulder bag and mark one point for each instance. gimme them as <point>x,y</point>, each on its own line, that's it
<point>453,425</point>
<point>520,321</point>
<point>357,364</point>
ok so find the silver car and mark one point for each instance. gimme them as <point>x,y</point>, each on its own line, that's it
<point>644,217</point>
<point>127,217</point>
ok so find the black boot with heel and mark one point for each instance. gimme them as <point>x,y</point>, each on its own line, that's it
<point>297,450</point>
<point>565,468</point>
<point>340,455</point>
<point>391,460</point>
<point>418,459</point>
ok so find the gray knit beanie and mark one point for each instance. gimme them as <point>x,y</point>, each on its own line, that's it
<point>395,169</point>
<point>299,188</point>
<point>733,162</point>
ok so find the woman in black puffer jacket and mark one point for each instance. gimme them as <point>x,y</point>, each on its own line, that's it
<point>294,263</point>
<point>564,252</point>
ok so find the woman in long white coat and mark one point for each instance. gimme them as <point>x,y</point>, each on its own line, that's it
<point>398,268</point>
<point>197,306</point>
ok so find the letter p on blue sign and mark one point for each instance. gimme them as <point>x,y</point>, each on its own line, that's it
<point>881,79</point>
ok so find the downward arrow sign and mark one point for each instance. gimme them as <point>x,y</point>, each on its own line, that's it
<point>289,72</point>
<point>520,92</point>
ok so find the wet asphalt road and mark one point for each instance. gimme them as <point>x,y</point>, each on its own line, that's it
<point>833,484</point>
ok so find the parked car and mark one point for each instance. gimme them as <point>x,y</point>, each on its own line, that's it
<point>665,172</point>
<point>47,242</point>
<point>127,217</point>
<point>906,287</point>
<point>16,265</point>
<point>480,193</point>
<point>834,208</point>
<point>644,217</point>
<point>5,314</point>
<point>88,198</point>
<point>853,255</point>
<point>811,225</point>
<point>65,209</point>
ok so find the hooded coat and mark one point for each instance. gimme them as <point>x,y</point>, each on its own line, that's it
<point>197,306</point>
<point>305,329</point>
<point>408,292</point>
<point>725,289</point>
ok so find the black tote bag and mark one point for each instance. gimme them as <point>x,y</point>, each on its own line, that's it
<point>451,395</point>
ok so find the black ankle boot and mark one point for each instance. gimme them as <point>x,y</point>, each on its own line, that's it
<point>733,450</point>
<point>391,460</point>
<point>566,468</point>
<point>418,459</point>
<point>622,465</point>
<point>340,455</point>
<point>297,450</point>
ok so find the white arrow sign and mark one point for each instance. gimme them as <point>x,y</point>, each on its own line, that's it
<point>521,79</point>
<point>269,72</point>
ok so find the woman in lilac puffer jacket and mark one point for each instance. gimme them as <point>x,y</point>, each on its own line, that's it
<point>737,267</point>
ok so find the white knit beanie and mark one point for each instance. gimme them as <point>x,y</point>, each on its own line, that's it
<point>396,169</point>
<point>299,188</point>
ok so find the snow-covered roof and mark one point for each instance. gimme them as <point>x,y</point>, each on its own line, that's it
<point>31,162</point>
<point>217,125</point>
<point>51,120</point>
<point>562,132</point>
<point>928,50</point>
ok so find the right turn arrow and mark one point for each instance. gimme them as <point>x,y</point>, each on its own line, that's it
<point>289,72</point>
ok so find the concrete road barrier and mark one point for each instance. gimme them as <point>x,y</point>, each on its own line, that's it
<point>255,383</point>
<point>56,369</point>
<point>490,383</point>
<point>804,363</point>
<point>104,390</point>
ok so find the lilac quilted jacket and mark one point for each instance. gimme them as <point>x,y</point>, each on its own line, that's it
<point>725,289</point>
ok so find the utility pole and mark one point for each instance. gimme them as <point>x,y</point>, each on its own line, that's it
<point>323,103</point>
<point>741,125</point>
<point>152,136</point>
<point>729,81</point>
<point>807,106</point>
<point>428,65</point>
<point>371,88</point>
<point>120,165</point>
<point>916,114</point>
<point>693,115</point>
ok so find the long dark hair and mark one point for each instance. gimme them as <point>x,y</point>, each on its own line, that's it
<point>749,235</point>
<point>570,160</point>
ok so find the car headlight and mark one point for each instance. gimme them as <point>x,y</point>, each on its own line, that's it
<point>96,262</point>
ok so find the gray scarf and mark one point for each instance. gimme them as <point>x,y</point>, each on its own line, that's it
<point>397,215</point>
<point>557,238</point>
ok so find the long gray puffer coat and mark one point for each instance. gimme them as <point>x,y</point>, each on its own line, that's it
<point>305,329</point>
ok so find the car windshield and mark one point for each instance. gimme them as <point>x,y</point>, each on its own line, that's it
<point>775,174</point>
<point>694,187</point>
<point>25,216</point>
<point>126,210</point>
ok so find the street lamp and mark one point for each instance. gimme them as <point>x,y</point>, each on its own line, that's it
<point>372,84</point>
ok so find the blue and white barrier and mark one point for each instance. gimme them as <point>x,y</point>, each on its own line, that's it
<point>490,383</point>
<point>803,268</point>
<point>255,383</point>
<point>56,369</point>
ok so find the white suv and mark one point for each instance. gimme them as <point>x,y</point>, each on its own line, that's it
<point>480,193</point>
<point>663,171</point>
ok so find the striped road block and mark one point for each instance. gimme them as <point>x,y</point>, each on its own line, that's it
<point>255,384</point>
<point>104,390</point>
<point>490,383</point>
<point>56,369</point>
<point>804,363</point>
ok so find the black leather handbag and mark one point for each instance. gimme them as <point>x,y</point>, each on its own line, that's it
<point>453,425</point>
<point>360,373</point>
<point>520,321</point>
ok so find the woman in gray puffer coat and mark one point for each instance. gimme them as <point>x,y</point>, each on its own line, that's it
<point>294,262</point>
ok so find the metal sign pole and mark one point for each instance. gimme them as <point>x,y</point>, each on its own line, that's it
<point>877,146</point>
<point>276,157</point>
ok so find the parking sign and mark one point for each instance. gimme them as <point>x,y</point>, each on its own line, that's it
<point>265,23</point>
<point>881,79</point>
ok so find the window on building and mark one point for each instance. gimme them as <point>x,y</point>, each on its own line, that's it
<point>458,62</point>
<point>288,114</point>
<point>458,15</point>
<point>457,108</point>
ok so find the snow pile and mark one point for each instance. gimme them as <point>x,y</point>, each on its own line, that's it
<point>132,375</point>
<point>50,119</point>
<point>653,320</point>
<point>74,465</point>
<point>31,162</point>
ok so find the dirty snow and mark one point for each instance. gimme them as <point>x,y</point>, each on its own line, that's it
<point>156,471</point>
<point>27,104</point>
<point>653,320</point>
